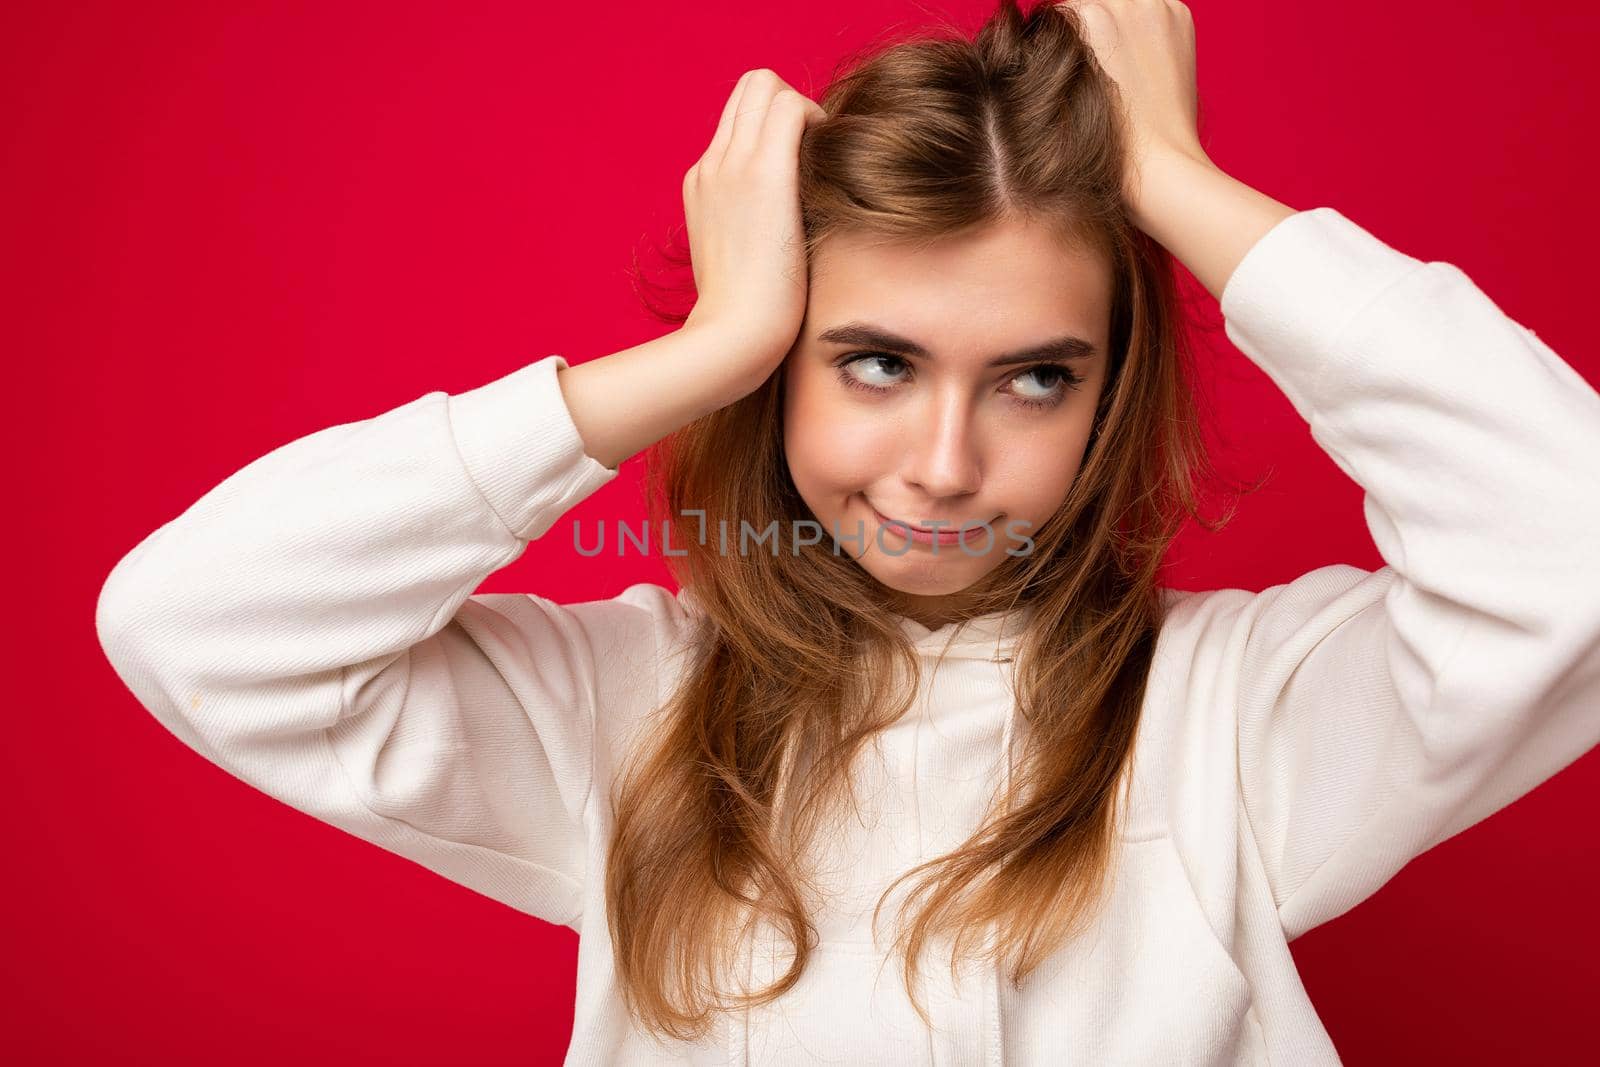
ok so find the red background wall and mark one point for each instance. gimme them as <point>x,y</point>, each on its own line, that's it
<point>226,226</point>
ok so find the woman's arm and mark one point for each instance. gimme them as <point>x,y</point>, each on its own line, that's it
<point>309,625</point>
<point>1377,713</point>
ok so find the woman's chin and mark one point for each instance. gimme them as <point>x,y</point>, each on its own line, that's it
<point>935,580</point>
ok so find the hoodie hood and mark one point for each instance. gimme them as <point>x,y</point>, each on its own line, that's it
<point>990,637</point>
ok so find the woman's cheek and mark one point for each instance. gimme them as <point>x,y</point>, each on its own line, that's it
<point>1039,472</point>
<point>854,452</point>
<point>838,445</point>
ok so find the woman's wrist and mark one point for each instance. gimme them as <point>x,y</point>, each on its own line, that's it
<point>1156,182</point>
<point>1202,215</point>
<point>626,401</point>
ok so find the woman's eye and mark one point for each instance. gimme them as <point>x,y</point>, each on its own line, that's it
<point>873,371</point>
<point>1054,376</point>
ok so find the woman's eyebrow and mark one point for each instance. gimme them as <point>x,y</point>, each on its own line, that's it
<point>868,335</point>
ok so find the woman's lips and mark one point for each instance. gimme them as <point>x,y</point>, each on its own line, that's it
<point>946,535</point>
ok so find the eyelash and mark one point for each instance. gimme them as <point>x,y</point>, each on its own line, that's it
<point>1070,378</point>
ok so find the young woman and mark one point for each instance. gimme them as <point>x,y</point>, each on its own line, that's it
<point>941,299</point>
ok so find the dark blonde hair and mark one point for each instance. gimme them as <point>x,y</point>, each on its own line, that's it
<point>797,659</point>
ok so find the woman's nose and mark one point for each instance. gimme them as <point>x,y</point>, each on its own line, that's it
<point>942,456</point>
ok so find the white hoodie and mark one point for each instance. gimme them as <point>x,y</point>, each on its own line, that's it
<point>309,626</point>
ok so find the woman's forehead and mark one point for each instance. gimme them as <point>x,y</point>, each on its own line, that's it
<point>981,279</point>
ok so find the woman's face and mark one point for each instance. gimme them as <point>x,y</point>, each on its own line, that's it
<point>896,408</point>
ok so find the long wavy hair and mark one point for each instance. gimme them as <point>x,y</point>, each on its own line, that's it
<point>797,658</point>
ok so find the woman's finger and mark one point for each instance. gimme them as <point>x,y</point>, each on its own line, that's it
<point>808,110</point>
<point>719,140</point>
<point>785,121</point>
<point>759,92</point>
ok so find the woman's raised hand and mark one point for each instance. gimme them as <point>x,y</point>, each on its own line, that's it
<point>741,201</point>
<point>1147,48</point>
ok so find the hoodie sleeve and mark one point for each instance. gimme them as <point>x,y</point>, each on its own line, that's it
<point>1379,713</point>
<point>308,626</point>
